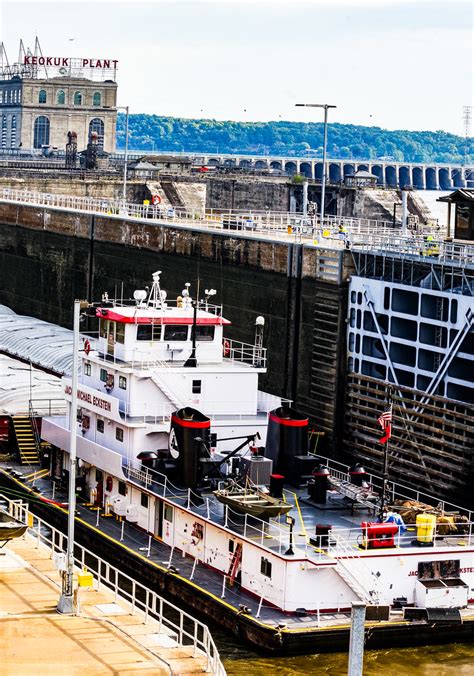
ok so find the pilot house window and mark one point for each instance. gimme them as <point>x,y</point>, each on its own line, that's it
<point>175,332</point>
<point>149,332</point>
<point>205,333</point>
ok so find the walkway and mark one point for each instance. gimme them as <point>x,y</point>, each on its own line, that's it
<point>103,639</point>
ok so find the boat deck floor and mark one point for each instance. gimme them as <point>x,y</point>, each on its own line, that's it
<point>158,553</point>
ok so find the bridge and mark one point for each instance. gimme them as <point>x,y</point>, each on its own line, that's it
<point>389,174</point>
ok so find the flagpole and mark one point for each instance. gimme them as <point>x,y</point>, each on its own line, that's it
<point>384,499</point>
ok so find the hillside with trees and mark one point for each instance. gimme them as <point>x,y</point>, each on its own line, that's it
<point>345,141</point>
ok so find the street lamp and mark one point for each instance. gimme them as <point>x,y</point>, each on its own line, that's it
<point>326,107</point>
<point>124,189</point>
<point>291,522</point>
<point>66,603</point>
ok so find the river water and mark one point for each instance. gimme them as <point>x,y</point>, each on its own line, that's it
<point>446,660</point>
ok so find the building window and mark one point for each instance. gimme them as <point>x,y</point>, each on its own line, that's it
<point>205,333</point>
<point>196,387</point>
<point>266,567</point>
<point>122,488</point>
<point>41,132</point>
<point>176,332</point>
<point>96,99</point>
<point>122,382</point>
<point>19,96</point>
<point>61,98</point>
<point>103,375</point>
<point>144,500</point>
<point>13,132</point>
<point>77,99</point>
<point>119,433</point>
<point>96,126</point>
<point>87,368</point>
<point>4,131</point>
<point>42,96</point>
<point>1,96</point>
<point>100,425</point>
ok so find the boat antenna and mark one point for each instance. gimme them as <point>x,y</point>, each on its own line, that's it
<point>155,298</point>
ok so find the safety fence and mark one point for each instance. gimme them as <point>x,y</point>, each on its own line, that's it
<point>188,631</point>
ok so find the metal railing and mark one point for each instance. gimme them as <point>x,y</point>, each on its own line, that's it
<point>189,632</point>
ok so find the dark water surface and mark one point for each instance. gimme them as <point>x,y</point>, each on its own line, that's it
<point>445,660</point>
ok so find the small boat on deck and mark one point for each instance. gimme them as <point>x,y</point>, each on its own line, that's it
<point>10,528</point>
<point>251,500</point>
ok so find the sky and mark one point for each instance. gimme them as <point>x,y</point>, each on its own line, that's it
<point>396,64</point>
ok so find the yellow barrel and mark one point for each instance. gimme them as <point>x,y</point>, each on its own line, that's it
<point>425,527</point>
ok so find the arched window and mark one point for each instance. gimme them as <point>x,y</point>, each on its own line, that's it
<point>13,132</point>
<point>42,96</point>
<point>96,99</point>
<point>4,131</point>
<point>97,125</point>
<point>61,98</point>
<point>41,135</point>
<point>77,99</point>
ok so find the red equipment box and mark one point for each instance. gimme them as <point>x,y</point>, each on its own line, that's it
<point>378,535</point>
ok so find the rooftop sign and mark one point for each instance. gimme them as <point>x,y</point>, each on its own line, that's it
<point>67,62</point>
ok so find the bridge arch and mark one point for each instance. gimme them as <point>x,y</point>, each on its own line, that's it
<point>245,164</point>
<point>348,169</point>
<point>418,178</point>
<point>335,173</point>
<point>276,164</point>
<point>431,178</point>
<point>404,177</point>
<point>469,174</point>
<point>306,169</point>
<point>290,168</point>
<point>229,162</point>
<point>318,171</point>
<point>457,177</point>
<point>445,182</point>
<point>213,162</point>
<point>261,164</point>
<point>377,170</point>
<point>391,176</point>
<point>362,167</point>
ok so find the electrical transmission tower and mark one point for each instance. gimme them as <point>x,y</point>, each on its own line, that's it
<point>466,120</point>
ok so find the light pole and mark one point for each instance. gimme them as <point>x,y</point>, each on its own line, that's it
<point>326,107</point>
<point>124,189</point>
<point>66,603</point>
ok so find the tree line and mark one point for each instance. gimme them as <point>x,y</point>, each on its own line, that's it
<point>345,141</point>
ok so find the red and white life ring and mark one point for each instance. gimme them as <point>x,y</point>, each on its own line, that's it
<point>226,348</point>
<point>87,346</point>
<point>156,199</point>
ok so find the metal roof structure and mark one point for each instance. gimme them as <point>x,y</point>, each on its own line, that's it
<point>46,346</point>
<point>21,384</point>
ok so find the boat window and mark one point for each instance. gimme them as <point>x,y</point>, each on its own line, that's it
<point>122,382</point>
<point>120,332</point>
<point>176,332</point>
<point>103,375</point>
<point>205,333</point>
<point>119,434</point>
<point>231,546</point>
<point>197,386</point>
<point>122,488</point>
<point>145,332</point>
<point>98,475</point>
<point>144,500</point>
<point>87,368</point>
<point>100,425</point>
<point>266,567</point>
<point>103,324</point>
<point>168,513</point>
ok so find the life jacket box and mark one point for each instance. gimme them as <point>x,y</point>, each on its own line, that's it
<point>378,535</point>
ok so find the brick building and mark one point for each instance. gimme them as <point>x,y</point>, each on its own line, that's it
<point>39,112</point>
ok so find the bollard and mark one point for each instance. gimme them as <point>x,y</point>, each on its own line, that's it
<point>356,643</point>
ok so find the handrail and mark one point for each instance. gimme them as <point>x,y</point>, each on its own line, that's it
<point>189,630</point>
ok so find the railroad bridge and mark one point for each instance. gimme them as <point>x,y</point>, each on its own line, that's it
<point>391,174</point>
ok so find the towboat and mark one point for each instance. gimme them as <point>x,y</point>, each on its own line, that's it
<point>171,426</point>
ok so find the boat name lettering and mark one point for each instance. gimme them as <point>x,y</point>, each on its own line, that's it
<point>469,569</point>
<point>90,399</point>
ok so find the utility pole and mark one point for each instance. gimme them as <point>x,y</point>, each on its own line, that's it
<point>326,107</point>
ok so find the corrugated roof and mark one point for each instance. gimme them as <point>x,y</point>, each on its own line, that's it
<point>46,345</point>
<point>19,383</point>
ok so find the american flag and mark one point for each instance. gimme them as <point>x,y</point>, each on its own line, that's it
<point>385,422</point>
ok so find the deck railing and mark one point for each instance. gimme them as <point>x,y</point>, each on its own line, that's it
<point>142,600</point>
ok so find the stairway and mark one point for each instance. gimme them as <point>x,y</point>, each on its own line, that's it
<point>169,394</point>
<point>26,441</point>
<point>172,194</point>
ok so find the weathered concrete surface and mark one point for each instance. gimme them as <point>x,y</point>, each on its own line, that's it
<point>36,639</point>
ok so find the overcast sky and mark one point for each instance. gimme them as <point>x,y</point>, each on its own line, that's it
<point>401,64</point>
